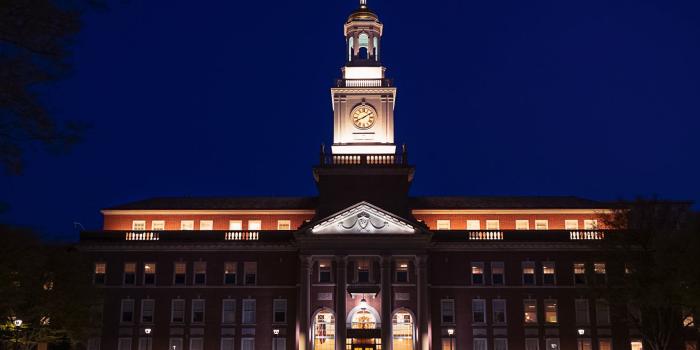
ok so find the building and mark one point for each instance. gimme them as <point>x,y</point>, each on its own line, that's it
<point>362,265</point>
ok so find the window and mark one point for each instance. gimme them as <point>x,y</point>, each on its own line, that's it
<point>138,225</point>
<point>279,311</point>
<point>247,343</point>
<point>149,273</point>
<point>206,225</point>
<point>590,224</point>
<point>129,273</point>
<point>100,273</point>
<point>688,318</point>
<point>177,311</point>
<point>228,311</point>
<point>402,272</point>
<point>279,343</point>
<point>599,270</point>
<point>147,309</point>
<point>324,271</point>
<point>175,344</point>
<point>227,343</point>
<point>402,331</point>
<point>285,225</point>
<point>499,311</point>
<point>584,344</point>
<point>636,344</point>
<point>571,224</point>
<point>124,344</point>
<point>541,224</point>
<point>250,271</point>
<point>530,306</point>
<point>480,344</point>
<point>582,313</point>
<point>200,272</point>
<point>550,311</point>
<point>180,272</point>
<point>248,311</point>
<point>500,344</point>
<point>551,343</point>
<point>443,224</point>
<point>492,225</point>
<point>254,225</point>
<point>473,225</point>
<point>363,271</point>
<point>157,225</point>
<point>532,344</point>
<point>324,331</point>
<point>127,311</point>
<point>522,224</point>
<point>602,312</point>
<point>449,344</point>
<point>198,311</point>
<point>579,273</point>
<point>187,225</point>
<point>230,273</point>
<point>196,344</point>
<point>235,225</point>
<point>606,344</point>
<point>479,310</point>
<point>528,273</point>
<point>548,275</point>
<point>477,273</point>
<point>497,273</point>
<point>447,311</point>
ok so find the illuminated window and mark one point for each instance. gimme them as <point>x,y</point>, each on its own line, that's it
<point>235,225</point>
<point>599,269</point>
<point>284,225</point>
<point>447,311</point>
<point>479,310</point>
<point>522,224</point>
<point>480,344</point>
<point>127,311</point>
<point>402,331</point>
<point>129,273</point>
<point>590,224</point>
<point>606,344</point>
<point>177,311</point>
<point>401,272</point>
<point>602,312</point>
<point>157,225</point>
<point>688,319</point>
<point>149,273</point>
<point>550,311</point>
<point>230,270</point>
<point>530,306</point>
<point>147,309</point>
<point>200,272</point>
<point>571,224</point>
<point>249,307</point>
<point>579,273</point>
<point>250,272</point>
<point>497,273</point>
<point>279,311</point>
<point>636,344</point>
<point>500,344</point>
<point>541,224</point>
<point>499,311</point>
<point>477,270</point>
<point>528,273</point>
<point>532,344</point>
<point>100,273</point>
<point>548,273</point>
<point>197,311</point>
<point>493,225</point>
<point>363,319</point>
<point>473,225</point>
<point>206,225</point>
<point>138,225</point>
<point>187,225</point>
<point>324,331</point>
<point>228,311</point>
<point>582,312</point>
<point>449,344</point>
<point>324,271</point>
<point>180,273</point>
<point>254,225</point>
<point>443,224</point>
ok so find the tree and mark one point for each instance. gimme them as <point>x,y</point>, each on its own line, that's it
<point>48,287</point>
<point>658,245</point>
<point>34,47</point>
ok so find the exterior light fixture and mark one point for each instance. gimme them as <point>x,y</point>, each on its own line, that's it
<point>276,331</point>
<point>581,331</point>
<point>451,331</point>
<point>147,331</point>
<point>18,323</point>
<point>363,304</point>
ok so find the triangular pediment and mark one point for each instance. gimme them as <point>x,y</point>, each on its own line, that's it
<point>364,218</point>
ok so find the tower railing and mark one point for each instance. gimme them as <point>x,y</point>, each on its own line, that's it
<point>348,83</point>
<point>399,159</point>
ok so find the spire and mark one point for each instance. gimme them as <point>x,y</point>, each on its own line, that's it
<point>363,4</point>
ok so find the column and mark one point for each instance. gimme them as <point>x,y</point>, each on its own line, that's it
<point>386,302</point>
<point>423,303</point>
<point>341,287</point>
<point>304,302</point>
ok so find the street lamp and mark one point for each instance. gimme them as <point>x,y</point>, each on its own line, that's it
<point>276,331</point>
<point>451,333</point>
<point>363,304</point>
<point>581,331</point>
<point>148,338</point>
<point>18,323</point>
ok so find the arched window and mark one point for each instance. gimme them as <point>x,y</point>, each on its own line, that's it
<point>351,46</point>
<point>363,319</point>
<point>363,41</point>
<point>376,49</point>
<point>324,330</point>
<point>402,331</point>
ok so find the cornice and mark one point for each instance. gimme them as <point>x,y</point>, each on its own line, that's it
<point>509,211</point>
<point>209,212</point>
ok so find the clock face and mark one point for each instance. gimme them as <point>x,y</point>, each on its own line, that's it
<point>363,116</point>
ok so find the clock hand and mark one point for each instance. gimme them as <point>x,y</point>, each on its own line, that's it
<point>364,116</point>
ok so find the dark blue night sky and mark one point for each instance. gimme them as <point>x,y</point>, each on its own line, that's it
<point>594,98</point>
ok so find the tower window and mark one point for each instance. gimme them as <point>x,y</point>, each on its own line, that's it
<point>363,41</point>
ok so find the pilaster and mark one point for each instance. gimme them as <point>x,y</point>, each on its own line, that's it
<point>304,326</point>
<point>386,302</point>
<point>423,303</point>
<point>340,298</point>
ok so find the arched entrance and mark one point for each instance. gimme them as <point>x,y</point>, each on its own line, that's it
<point>403,330</point>
<point>324,330</point>
<point>364,323</point>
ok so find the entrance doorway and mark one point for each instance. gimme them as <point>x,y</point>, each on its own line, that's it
<point>363,347</point>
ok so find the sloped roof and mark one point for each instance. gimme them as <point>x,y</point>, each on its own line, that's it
<point>506,202</point>
<point>219,203</point>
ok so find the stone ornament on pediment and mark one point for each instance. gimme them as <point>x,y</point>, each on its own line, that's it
<point>363,218</point>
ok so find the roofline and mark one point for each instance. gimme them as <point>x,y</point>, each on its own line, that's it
<point>512,211</point>
<point>207,211</point>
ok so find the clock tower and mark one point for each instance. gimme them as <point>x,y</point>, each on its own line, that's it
<point>363,99</point>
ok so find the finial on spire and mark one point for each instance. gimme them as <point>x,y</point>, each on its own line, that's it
<point>363,4</point>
